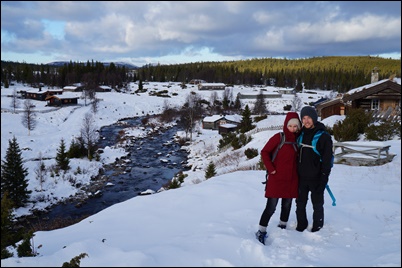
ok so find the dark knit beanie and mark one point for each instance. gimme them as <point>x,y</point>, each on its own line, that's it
<point>309,111</point>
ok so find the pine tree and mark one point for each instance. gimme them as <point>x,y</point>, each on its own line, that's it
<point>6,226</point>
<point>140,86</point>
<point>210,172</point>
<point>237,104</point>
<point>260,107</point>
<point>62,161</point>
<point>13,176</point>
<point>246,123</point>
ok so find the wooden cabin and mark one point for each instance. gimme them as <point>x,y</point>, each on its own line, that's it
<point>382,96</point>
<point>61,100</point>
<point>211,86</point>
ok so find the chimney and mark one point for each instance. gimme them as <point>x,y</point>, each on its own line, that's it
<point>374,75</point>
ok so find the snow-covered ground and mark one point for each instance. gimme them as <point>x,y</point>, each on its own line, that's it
<point>205,222</point>
<point>54,124</point>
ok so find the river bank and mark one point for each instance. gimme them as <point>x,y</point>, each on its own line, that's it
<point>150,162</point>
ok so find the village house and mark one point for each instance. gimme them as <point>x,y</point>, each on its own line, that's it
<point>211,86</point>
<point>74,88</point>
<point>103,89</point>
<point>196,81</point>
<point>287,91</point>
<point>229,122</point>
<point>68,98</point>
<point>39,94</point>
<point>381,97</point>
<point>254,95</point>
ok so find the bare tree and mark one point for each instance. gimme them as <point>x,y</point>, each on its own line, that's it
<point>168,112</point>
<point>40,171</point>
<point>95,105</point>
<point>227,98</point>
<point>89,133</point>
<point>29,116</point>
<point>92,93</point>
<point>85,96</point>
<point>190,112</point>
<point>213,101</point>
<point>14,100</point>
<point>297,104</point>
<point>88,93</point>
<point>166,105</point>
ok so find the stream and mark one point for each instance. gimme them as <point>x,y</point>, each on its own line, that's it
<point>151,162</point>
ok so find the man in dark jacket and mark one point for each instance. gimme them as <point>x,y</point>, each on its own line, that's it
<point>313,170</point>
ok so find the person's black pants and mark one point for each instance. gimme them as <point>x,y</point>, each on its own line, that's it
<point>270,208</point>
<point>317,199</point>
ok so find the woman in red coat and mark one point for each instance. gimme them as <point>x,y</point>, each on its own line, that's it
<point>282,181</point>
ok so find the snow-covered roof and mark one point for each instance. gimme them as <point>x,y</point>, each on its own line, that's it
<point>212,84</point>
<point>212,118</point>
<point>37,91</point>
<point>70,87</point>
<point>228,125</point>
<point>230,117</point>
<point>66,95</point>
<point>233,117</point>
<point>354,90</point>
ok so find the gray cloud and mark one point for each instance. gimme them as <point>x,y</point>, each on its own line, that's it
<point>166,32</point>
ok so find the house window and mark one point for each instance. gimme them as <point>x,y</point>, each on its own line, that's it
<point>375,104</point>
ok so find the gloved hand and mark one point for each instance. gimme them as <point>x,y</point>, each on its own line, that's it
<point>323,182</point>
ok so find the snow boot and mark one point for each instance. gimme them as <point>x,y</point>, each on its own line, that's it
<point>316,228</point>
<point>261,236</point>
<point>282,224</point>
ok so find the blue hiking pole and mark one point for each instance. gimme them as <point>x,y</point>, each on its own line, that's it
<point>331,194</point>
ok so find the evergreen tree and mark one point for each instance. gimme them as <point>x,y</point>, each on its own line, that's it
<point>25,249</point>
<point>13,175</point>
<point>237,104</point>
<point>210,172</point>
<point>62,160</point>
<point>6,226</point>
<point>77,149</point>
<point>299,86</point>
<point>246,123</point>
<point>140,86</point>
<point>260,107</point>
<point>227,95</point>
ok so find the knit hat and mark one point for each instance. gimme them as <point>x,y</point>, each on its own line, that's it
<point>294,121</point>
<point>309,111</point>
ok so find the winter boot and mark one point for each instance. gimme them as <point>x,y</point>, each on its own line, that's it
<point>315,228</point>
<point>282,224</point>
<point>300,228</point>
<point>317,225</point>
<point>261,236</point>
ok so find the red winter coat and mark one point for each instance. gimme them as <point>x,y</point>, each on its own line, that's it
<point>284,183</point>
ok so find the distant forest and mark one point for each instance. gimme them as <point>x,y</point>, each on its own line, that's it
<point>340,73</point>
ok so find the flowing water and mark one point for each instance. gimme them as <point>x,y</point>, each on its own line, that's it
<point>151,163</point>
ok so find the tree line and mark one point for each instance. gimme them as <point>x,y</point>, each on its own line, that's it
<point>338,73</point>
<point>328,73</point>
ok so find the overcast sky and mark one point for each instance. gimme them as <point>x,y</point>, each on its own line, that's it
<point>173,32</point>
